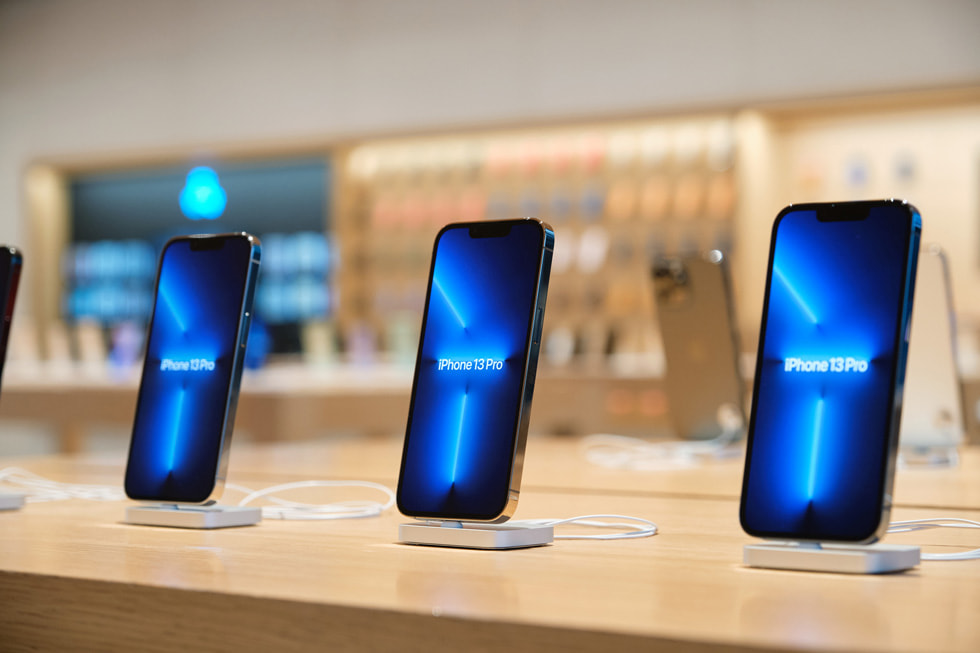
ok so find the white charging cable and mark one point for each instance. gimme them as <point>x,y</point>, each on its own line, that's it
<point>295,510</point>
<point>636,527</point>
<point>909,525</point>
<point>625,452</point>
<point>39,489</point>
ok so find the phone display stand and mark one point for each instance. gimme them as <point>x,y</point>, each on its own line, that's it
<point>724,451</point>
<point>932,456</point>
<point>204,517</point>
<point>463,535</point>
<point>729,443</point>
<point>12,500</point>
<point>834,558</point>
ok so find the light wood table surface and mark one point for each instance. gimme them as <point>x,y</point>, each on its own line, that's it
<point>553,463</point>
<point>72,577</point>
<point>559,463</point>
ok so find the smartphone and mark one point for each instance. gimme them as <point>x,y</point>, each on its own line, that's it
<point>830,372</point>
<point>11,263</point>
<point>475,369</point>
<point>185,409</point>
<point>695,312</point>
<point>932,420</point>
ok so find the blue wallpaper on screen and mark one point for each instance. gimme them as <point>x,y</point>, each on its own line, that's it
<point>461,433</point>
<point>188,372</point>
<point>11,265</point>
<point>825,396</point>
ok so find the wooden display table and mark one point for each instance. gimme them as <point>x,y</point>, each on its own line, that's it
<point>72,577</point>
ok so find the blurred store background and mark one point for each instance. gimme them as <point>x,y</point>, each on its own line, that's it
<point>344,134</point>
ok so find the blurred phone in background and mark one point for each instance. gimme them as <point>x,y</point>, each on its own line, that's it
<point>932,419</point>
<point>695,311</point>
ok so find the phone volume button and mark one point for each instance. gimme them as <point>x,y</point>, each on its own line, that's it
<point>538,315</point>
<point>246,325</point>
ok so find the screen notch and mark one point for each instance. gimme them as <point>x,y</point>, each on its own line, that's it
<point>845,212</point>
<point>490,229</point>
<point>208,243</point>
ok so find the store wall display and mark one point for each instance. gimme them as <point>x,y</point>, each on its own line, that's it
<point>916,147</point>
<point>121,219</point>
<point>294,286</point>
<point>185,409</point>
<point>752,162</point>
<point>109,281</point>
<point>617,194</point>
<point>830,372</point>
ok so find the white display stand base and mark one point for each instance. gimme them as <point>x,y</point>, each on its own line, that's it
<point>12,500</point>
<point>836,558</point>
<point>475,536</point>
<point>919,457</point>
<point>207,517</point>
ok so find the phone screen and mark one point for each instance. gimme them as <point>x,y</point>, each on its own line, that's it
<point>10,268</point>
<point>469,401</point>
<point>829,374</point>
<point>192,367</point>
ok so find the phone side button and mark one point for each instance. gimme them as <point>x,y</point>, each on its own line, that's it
<point>246,325</point>
<point>536,338</point>
<point>532,373</point>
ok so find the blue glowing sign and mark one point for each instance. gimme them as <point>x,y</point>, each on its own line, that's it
<point>202,197</point>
